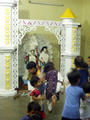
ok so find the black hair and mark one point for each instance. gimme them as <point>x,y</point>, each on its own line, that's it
<point>33,106</point>
<point>34,80</point>
<point>45,47</point>
<point>88,57</point>
<point>78,61</point>
<point>85,66</point>
<point>37,117</point>
<point>73,76</point>
<point>86,87</point>
<point>31,65</point>
<point>49,66</point>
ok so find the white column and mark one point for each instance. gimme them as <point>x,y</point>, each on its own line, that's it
<point>69,46</point>
<point>6,47</point>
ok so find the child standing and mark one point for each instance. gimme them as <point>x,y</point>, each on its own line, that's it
<point>85,113</point>
<point>51,77</point>
<point>73,94</point>
<point>35,95</point>
<point>82,67</point>
<point>32,71</point>
<point>33,109</point>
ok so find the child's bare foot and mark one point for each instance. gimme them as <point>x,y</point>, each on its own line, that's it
<point>54,99</point>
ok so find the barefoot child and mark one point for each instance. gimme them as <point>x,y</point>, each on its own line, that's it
<point>52,79</point>
<point>35,95</point>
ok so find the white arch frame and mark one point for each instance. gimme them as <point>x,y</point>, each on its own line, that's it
<point>60,31</point>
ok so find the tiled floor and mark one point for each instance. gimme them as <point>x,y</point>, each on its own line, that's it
<point>15,109</point>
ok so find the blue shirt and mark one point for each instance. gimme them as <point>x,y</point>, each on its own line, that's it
<point>72,102</point>
<point>27,117</point>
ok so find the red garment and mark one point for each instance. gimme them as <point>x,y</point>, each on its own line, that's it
<point>43,114</point>
<point>26,58</point>
<point>35,92</point>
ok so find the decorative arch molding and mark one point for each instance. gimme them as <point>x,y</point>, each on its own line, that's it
<point>31,25</point>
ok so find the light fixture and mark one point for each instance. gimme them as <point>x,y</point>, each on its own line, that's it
<point>45,3</point>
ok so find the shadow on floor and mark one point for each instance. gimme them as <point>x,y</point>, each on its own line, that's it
<point>15,109</point>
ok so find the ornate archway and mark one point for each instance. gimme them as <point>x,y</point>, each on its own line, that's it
<point>67,34</point>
